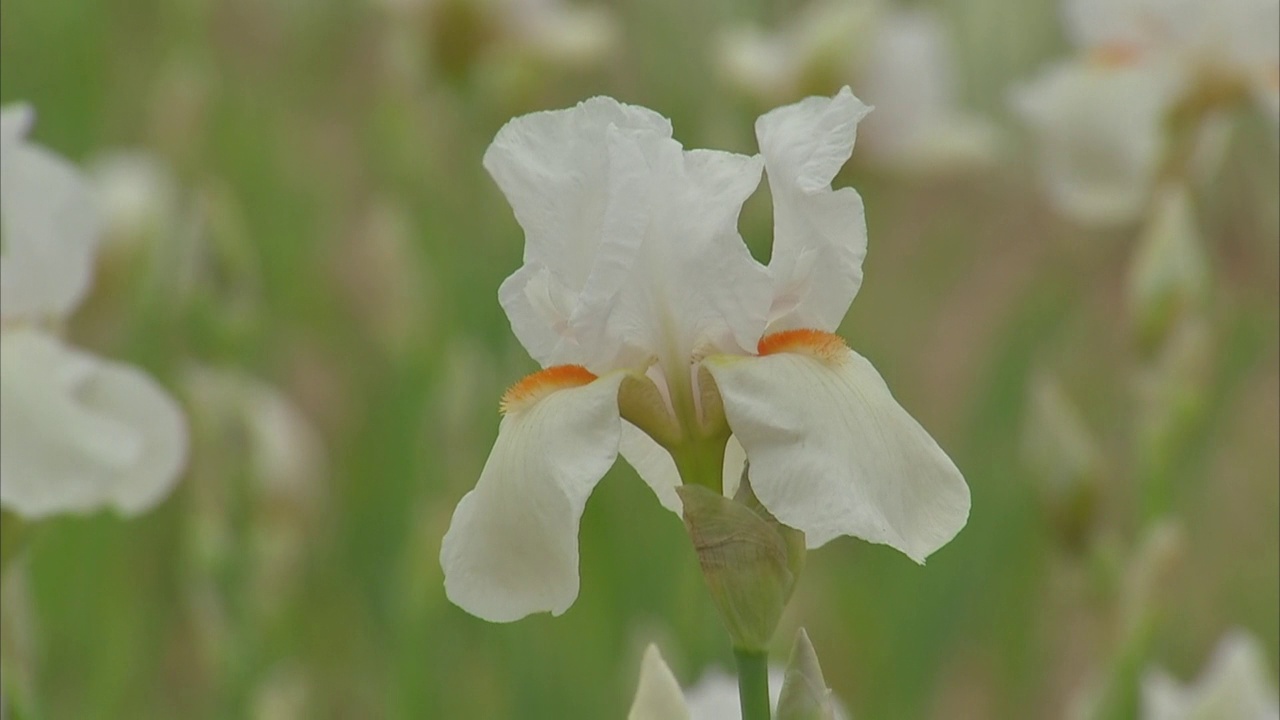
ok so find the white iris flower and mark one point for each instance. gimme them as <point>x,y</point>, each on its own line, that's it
<point>1235,685</point>
<point>1101,117</point>
<point>78,432</point>
<point>661,337</point>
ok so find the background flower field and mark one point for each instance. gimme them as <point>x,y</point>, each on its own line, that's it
<point>314,220</point>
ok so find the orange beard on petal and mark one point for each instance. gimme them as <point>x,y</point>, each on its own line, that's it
<point>1116,55</point>
<point>822,345</point>
<point>533,388</point>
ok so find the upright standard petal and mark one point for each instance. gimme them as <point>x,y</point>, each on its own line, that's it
<point>693,283</point>
<point>832,453</point>
<point>512,547</point>
<point>658,694</point>
<point>555,169</point>
<point>1099,134</point>
<point>49,223</point>
<point>820,234</point>
<point>1235,685</point>
<point>81,433</point>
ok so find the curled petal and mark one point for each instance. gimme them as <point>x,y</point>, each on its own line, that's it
<point>832,453</point>
<point>556,170</point>
<point>50,226</point>
<point>632,248</point>
<point>82,433</point>
<point>658,694</point>
<point>820,234</point>
<point>512,547</point>
<point>692,282</point>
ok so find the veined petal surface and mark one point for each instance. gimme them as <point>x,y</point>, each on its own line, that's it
<point>512,547</point>
<point>832,453</point>
<point>693,283</point>
<point>48,226</point>
<point>632,249</point>
<point>555,170</point>
<point>82,433</point>
<point>820,234</point>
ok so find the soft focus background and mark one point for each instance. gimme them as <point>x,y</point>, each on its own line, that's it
<point>311,227</point>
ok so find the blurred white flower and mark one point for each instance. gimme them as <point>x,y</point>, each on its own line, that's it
<point>78,432</point>
<point>1102,117</point>
<point>284,450</point>
<point>1235,685</point>
<point>909,78</point>
<point>136,196</point>
<point>561,32</point>
<point>825,41</point>
<point>901,63</point>
<point>1098,131</point>
<point>50,227</point>
<point>463,32</point>
<point>642,302</point>
<point>714,697</point>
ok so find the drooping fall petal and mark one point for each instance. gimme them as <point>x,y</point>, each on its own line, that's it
<point>82,433</point>
<point>512,547</point>
<point>832,453</point>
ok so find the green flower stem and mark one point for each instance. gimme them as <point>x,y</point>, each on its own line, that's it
<point>14,532</point>
<point>753,684</point>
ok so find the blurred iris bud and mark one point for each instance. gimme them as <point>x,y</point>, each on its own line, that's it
<point>283,695</point>
<point>384,279</point>
<point>1148,575</point>
<point>179,109</point>
<point>805,695</point>
<point>250,430</point>
<point>799,693</point>
<point>1061,452</point>
<point>465,36</point>
<point>1173,392</point>
<point>1169,277</point>
<point>750,560</point>
<point>1144,581</point>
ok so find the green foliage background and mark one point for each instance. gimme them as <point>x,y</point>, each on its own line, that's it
<point>296,129</point>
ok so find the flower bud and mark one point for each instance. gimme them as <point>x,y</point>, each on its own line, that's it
<point>749,560</point>
<point>1172,399</point>
<point>1169,277</point>
<point>805,695</point>
<point>1060,451</point>
<point>1148,575</point>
